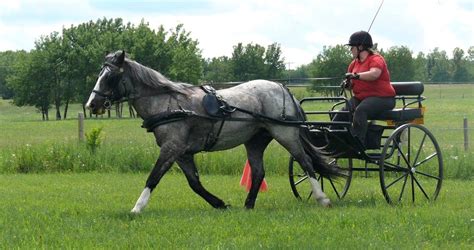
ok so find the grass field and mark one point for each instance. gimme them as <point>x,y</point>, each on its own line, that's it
<point>72,198</point>
<point>91,211</point>
<point>30,145</point>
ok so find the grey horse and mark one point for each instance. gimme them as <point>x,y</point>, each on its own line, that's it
<point>257,112</point>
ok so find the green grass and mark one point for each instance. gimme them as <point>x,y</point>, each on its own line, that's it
<point>92,211</point>
<point>73,198</point>
<point>52,146</point>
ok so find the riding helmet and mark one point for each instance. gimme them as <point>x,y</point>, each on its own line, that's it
<point>361,38</point>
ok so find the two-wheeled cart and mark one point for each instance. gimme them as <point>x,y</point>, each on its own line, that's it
<point>404,152</point>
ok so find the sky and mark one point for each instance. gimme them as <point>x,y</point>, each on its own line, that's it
<point>301,27</point>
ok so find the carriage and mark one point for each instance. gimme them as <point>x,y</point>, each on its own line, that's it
<point>405,154</point>
<point>187,119</point>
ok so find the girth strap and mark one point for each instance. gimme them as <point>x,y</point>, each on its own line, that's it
<point>166,117</point>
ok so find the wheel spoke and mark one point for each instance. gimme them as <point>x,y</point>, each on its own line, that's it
<point>421,188</point>
<point>395,167</point>
<point>403,188</point>
<point>301,180</point>
<point>334,188</point>
<point>419,148</point>
<point>409,145</point>
<point>402,154</point>
<point>309,196</point>
<point>396,180</point>
<point>425,160</point>
<point>412,189</point>
<point>428,175</point>
<point>321,181</point>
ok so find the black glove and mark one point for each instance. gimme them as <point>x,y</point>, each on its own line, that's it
<point>350,76</point>
<point>347,84</point>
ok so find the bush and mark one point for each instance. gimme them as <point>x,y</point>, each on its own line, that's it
<point>94,139</point>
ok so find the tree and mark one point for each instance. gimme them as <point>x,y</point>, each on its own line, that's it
<point>332,62</point>
<point>52,53</point>
<point>147,46</point>
<point>7,60</point>
<point>218,69</point>
<point>460,69</point>
<point>186,57</point>
<point>470,62</point>
<point>32,83</point>
<point>274,62</point>
<point>248,62</point>
<point>419,63</point>
<point>438,66</point>
<point>400,63</point>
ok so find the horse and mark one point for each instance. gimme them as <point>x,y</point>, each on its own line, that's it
<point>256,112</point>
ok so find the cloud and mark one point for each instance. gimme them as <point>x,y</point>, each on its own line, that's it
<point>301,27</point>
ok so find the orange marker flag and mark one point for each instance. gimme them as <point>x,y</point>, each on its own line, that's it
<point>246,179</point>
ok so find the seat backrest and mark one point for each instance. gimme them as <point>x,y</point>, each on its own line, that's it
<point>408,88</point>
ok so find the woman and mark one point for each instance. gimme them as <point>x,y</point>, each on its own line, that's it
<point>370,83</point>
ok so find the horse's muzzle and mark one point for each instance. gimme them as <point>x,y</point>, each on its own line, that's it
<point>97,109</point>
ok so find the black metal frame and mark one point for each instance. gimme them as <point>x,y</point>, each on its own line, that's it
<point>343,145</point>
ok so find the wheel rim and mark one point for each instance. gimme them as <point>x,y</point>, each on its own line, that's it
<point>411,165</point>
<point>301,187</point>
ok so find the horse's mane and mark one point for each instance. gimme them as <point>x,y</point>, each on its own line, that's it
<point>155,79</point>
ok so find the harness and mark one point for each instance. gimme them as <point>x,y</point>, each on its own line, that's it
<point>218,110</point>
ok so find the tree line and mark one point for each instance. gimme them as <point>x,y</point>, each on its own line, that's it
<point>62,68</point>
<point>434,67</point>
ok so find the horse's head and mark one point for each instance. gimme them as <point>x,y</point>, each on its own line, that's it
<point>106,90</point>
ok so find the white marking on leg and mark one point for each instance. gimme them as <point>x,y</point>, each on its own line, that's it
<point>318,193</point>
<point>142,201</point>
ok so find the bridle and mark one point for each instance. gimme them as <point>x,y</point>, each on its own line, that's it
<point>114,96</point>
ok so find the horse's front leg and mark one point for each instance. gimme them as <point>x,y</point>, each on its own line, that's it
<point>187,164</point>
<point>162,165</point>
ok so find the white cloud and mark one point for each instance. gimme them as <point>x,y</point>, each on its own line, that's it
<point>302,27</point>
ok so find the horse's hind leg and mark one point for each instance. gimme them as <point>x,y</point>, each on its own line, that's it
<point>293,143</point>
<point>307,165</point>
<point>186,163</point>
<point>255,148</point>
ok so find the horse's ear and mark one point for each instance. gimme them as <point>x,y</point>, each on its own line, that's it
<point>121,58</point>
<point>106,53</point>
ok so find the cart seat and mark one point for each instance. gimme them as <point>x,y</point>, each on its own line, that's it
<point>399,114</point>
<point>403,90</point>
<point>408,88</point>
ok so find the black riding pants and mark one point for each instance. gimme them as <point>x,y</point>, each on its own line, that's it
<point>366,109</point>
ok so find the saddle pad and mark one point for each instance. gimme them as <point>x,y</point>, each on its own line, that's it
<point>212,105</point>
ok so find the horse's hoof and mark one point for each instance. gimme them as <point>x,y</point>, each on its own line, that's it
<point>325,202</point>
<point>249,207</point>
<point>222,206</point>
<point>135,211</point>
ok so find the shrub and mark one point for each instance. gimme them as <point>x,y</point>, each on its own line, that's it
<point>94,139</point>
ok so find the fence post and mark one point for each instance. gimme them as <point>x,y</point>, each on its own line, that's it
<point>466,135</point>
<point>80,118</point>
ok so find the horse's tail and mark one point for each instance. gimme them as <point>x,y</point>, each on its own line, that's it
<point>320,162</point>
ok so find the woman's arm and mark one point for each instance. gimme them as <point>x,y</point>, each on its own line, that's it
<point>371,75</point>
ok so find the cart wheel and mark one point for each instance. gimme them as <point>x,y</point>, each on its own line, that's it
<point>301,186</point>
<point>411,165</point>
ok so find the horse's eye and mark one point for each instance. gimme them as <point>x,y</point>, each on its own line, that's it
<point>111,80</point>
